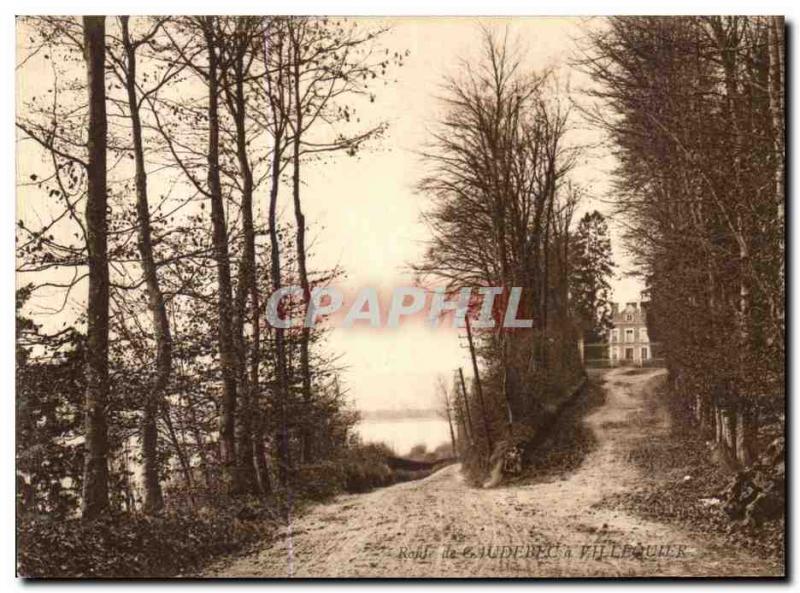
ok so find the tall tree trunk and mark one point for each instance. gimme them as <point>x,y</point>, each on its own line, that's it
<point>545,279</point>
<point>247,285</point>
<point>728,418</point>
<point>95,473</point>
<point>744,435</point>
<point>281,370</point>
<point>260,455</point>
<point>227,351</point>
<point>728,39</point>
<point>300,222</point>
<point>153,498</point>
<point>281,366</point>
<point>776,75</point>
<point>776,102</point>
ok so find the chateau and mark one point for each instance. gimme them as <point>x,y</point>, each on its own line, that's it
<point>628,341</point>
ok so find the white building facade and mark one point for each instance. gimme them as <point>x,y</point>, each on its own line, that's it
<point>628,341</point>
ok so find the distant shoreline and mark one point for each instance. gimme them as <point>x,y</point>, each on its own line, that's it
<point>394,415</point>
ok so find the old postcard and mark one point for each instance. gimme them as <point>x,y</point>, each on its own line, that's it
<point>395,297</point>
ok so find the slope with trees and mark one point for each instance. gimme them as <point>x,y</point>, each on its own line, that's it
<point>159,151</point>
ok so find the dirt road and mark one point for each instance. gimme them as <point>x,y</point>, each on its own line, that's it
<point>440,527</point>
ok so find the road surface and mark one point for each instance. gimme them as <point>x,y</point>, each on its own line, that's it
<point>441,527</point>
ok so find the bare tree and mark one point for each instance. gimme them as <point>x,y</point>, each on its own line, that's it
<point>241,48</point>
<point>275,56</point>
<point>156,302</point>
<point>95,476</point>
<point>497,162</point>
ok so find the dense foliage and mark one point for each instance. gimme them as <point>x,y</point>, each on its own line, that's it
<point>131,546</point>
<point>693,107</point>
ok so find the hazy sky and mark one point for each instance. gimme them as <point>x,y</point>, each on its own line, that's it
<point>365,215</point>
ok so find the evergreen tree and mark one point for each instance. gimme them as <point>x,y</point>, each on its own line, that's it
<point>591,270</point>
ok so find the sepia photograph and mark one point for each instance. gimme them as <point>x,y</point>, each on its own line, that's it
<point>399,297</point>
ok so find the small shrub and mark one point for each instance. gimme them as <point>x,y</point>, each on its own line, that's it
<point>320,481</point>
<point>362,476</point>
<point>365,468</point>
<point>418,452</point>
<point>361,468</point>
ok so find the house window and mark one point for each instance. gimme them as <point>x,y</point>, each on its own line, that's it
<point>629,335</point>
<point>628,317</point>
<point>628,353</point>
<point>615,335</point>
<point>644,353</point>
<point>643,334</point>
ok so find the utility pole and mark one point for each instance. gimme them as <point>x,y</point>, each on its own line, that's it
<point>466,405</point>
<point>478,386</point>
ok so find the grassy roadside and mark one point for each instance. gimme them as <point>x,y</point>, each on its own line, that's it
<point>568,441</point>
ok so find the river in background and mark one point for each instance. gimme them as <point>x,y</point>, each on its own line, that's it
<point>402,435</point>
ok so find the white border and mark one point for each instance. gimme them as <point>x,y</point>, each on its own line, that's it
<point>351,7</point>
